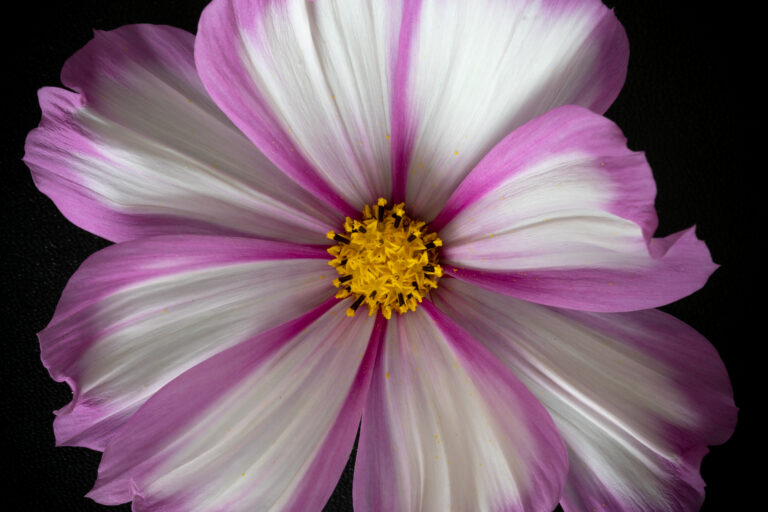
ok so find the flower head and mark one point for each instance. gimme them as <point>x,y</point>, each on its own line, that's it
<point>442,166</point>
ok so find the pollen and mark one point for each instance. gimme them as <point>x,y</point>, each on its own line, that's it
<point>385,260</point>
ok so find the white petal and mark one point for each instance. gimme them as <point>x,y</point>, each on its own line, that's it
<point>253,428</point>
<point>138,314</point>
<point>447,427</point>
<point>309,83</point>
<point>142,150</point>
<point>636,396</point>
<point>480,69</point>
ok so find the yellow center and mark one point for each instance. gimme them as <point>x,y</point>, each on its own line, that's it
<point>386,260</point>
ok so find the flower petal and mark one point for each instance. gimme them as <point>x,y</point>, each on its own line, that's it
<point>138,314</point>
<point>144,151</point>
<point>309,83</point>
<point>446,426</point>
<point>267,424</point>
<point>561,213</point>
<point>478,70</point>
<point>636,396</point>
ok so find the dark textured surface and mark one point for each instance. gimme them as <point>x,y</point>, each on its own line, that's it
<point>683,104</point>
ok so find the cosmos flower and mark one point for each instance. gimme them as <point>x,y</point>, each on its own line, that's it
<point>483,303</point>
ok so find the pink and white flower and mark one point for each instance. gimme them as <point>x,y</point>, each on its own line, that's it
<point>208,357</point>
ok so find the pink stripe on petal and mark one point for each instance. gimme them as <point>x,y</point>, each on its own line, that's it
<point>403,124</point>
<point>447,427</point>
<point>218,52</point>
<point>332,457</point>
<point>136,315</point>
<point>672,275</point>
<point>490,375</point>
<point>568,135</point>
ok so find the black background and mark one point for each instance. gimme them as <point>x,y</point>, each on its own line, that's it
<point>685,103</point>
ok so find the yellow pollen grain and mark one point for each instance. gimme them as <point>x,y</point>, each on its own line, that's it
<point>242,474</point>
<point>165,311</point>
<point>455,153</point>
<point>387,374</point>
<point>384,260</point>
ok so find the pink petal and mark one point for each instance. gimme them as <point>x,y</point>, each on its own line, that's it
<point>309,83</point>
<point>636,396</point>
<point>142,150</point>
<point>138,314</point>
<point>561,213</point>
<point>447,427</point>
<point>267,424</point>
<point>477,70</point>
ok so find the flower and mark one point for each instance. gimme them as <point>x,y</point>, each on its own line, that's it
<point>207,355</point>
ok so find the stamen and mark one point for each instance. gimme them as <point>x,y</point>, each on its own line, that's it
<point>355,305</point>
<point>385,260</point>
<point>338,238</point>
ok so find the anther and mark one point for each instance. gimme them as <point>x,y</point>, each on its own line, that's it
<point>383,269</point>
<point>337,237</point>
<point>355,305</point>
